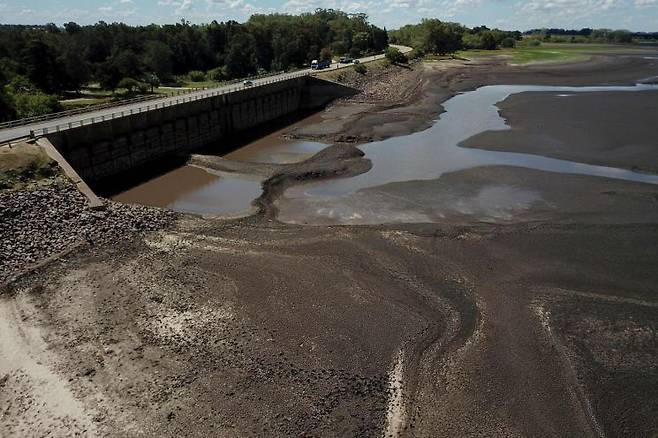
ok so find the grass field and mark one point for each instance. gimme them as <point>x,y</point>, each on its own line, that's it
<point>23,164</point>
<point>546,52</point>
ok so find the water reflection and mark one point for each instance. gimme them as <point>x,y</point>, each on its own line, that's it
<point>431,153</point>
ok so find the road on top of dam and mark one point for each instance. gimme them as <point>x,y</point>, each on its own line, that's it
<point>20,132</point>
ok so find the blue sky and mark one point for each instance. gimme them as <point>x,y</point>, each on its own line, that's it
<point>505,14</point>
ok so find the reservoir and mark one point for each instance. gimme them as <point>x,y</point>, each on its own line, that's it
<point>375,196</point>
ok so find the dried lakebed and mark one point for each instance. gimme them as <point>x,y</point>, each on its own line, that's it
<point>410,179</point>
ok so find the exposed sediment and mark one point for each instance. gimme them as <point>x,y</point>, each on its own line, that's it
<point>252,327</point>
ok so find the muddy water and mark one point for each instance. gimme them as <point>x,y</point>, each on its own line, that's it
<point>190,189</point>
<point>383,195</point>
<point>378,196</point>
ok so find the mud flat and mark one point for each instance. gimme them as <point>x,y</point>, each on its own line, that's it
<point>616,129</point>
<point>541,322</point>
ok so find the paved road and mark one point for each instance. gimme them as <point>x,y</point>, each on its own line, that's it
<point>10,134</point>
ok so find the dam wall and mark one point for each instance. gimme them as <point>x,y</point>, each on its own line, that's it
<point>108,148</point>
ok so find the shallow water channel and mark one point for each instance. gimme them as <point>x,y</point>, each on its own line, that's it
<point>425,155</point>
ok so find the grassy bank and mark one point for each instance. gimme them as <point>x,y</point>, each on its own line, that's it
<point>546,52</point>
<point>24,164</point>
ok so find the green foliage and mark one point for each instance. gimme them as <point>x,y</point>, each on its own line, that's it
<point>361,69</point>
<point>394,56</point>
<point>152,80</point>
<point>508,43</point>
<point>34,104</point>
<point>586,35</point>
<point>158,58</point>
<point>217,74</point>
<point>437,37</point>
<point>196,76</point>
<point>130,84</point>
<point>63,59</point>
<point>431,36</point>
<point>488,41</point>
<point>21,98</point>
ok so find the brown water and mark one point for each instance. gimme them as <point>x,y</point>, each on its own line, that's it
<point>384,194</point>
<point>191,189</point>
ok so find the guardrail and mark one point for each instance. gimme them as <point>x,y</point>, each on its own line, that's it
<point>73,112</point>
<point>92,108</point>
<point>167,102</point>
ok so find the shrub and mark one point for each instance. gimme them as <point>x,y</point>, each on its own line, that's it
<point>217,74</point>
<point>35,104</point>
<point>129,84</point>
<point>196,76</point>
<point>395,56</point>
<point>508,42</point>
<point>361,69</point>
<point>534,43</point>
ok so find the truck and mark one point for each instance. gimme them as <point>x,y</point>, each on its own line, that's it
<point>319,65</point>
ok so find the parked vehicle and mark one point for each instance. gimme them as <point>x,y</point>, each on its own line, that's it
<point>356,61</point>
<point>346,60</point>
<point>247,83</point>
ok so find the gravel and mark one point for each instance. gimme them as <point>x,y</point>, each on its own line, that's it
<point>381,84</point>
<point>41,221</point>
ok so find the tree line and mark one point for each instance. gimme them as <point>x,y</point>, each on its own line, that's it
<point>38,63</point>
<point>440,37</point>
<point>588,35</point>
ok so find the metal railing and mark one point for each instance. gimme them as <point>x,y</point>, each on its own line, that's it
<point>123,102</point>
<point>192,94</point>
<point>73,112</point>
<point>167,102</point>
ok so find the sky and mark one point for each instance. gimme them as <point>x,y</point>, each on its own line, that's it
<point>638,15</point>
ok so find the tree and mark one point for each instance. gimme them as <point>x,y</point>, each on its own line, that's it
<point>241,57</point>
<point>508,42</point>
<point>325,54</point>
<point>158,58</point>
<point>76,69</point>
<point>129,84</point>
<point>40,65</point>
<point>108,75</point>
<point>35,104</point>
<point>126,63</point>
<point>361,41</point>
<point>152,80</point>
<point>7,111</point>
<point>488,41</point>
<point>442,37</point>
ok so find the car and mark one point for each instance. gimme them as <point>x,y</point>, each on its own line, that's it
<point>356,61</point>
<point>346,60</point>
<point>247,83</point>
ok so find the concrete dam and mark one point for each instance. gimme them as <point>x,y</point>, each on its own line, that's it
<point>109,147</point>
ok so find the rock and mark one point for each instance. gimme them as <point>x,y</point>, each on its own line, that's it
<point>39,223</point>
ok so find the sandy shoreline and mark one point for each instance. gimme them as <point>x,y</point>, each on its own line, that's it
<point>541,326</point>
